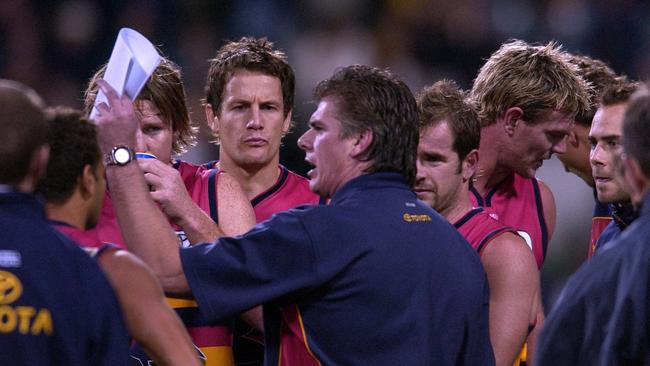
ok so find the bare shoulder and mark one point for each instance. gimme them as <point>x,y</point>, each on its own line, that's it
<point>123,265</point>
<point>508,251</point>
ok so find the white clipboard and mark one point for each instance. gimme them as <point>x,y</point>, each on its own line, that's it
<point>132,62</point>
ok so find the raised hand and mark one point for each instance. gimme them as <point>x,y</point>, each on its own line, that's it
<point>167,188</point>
<point>116,121</point>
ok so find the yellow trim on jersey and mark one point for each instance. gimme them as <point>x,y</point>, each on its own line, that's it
<point>521,359</point>
<point>181,303</point>
<point>304,335</point>
<point>600,217</point>
<point>218,356</point>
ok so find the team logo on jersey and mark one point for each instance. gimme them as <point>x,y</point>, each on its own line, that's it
<point>20,318</point>
<point>10,287</point>
<point>494,215</point>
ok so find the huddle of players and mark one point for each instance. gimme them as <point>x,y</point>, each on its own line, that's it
<point>476,162</point>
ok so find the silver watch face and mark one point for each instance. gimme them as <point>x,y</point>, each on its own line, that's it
<point>121,155</point>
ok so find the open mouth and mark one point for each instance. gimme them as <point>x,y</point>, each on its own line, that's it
<point>312,168</point>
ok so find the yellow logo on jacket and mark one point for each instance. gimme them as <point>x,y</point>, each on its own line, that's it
<point>23,319</point>
<point>416,218</point>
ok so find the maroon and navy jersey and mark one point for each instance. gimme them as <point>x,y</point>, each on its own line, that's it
<point>289,191</point>
<point>517,202</point>
<point>479,228</point>
<point>214,341</point>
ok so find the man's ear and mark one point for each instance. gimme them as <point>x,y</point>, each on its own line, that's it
<point>362,141</point>
<point>286,124</point>
<point>39,162</point>
<point>469,165</point>
<point>37,167</point>
<point>86,182</point>
<point>572,138</point>
<point>511,118</point>
<point>211,118</point>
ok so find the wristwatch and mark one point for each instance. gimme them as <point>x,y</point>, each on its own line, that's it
<point>120,156</point>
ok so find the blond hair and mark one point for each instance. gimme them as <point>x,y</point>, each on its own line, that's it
<point>166,92</point>
<point>537,79</point>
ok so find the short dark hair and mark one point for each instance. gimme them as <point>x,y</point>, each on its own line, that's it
<point>619,92</point>
<point>444,100</point>
<point>73,145</point>
<point>636,129</point>
<point>166,92</point>
<point>600,76</point>
<point>369,98</point>
<point>22,129</point>
<point>253,54</point>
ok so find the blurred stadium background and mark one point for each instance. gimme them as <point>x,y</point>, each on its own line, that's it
<point>55,46</point>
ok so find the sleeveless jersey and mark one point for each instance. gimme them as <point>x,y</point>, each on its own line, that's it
<point>289,191</point>
<point>517,202</point>
<point>214,342</point>
<point>479,229</point>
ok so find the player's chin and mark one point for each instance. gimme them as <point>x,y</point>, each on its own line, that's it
<point>426,197</point>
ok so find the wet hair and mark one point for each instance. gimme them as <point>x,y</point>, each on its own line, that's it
<point>73,145</point>
<point>538,79</point>
<point>166,92</point>
<point>369,98</point>
<point>444,101</point>
<point>23,130</point>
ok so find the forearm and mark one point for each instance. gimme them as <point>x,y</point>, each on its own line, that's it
<point>149,320</point>
<point>532,337</point>
<point>145,229</point>
<point>507,333</point>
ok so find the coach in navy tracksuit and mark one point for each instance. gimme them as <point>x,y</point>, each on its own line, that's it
<point>603,316</point>
<point>56,306</point>
<point>374,278</point>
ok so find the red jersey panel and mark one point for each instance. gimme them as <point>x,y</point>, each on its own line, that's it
<point>294,347</point>
<point>215,342</point>
<point>517,202</point>
<point>85,239</point>
<point>289,191</point>
<point>479,228</point>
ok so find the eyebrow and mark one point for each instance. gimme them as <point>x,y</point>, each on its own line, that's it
<point>606,137</point>
<point>430,155</point>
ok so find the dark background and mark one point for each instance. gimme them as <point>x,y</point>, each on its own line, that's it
<point>55,46</point>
